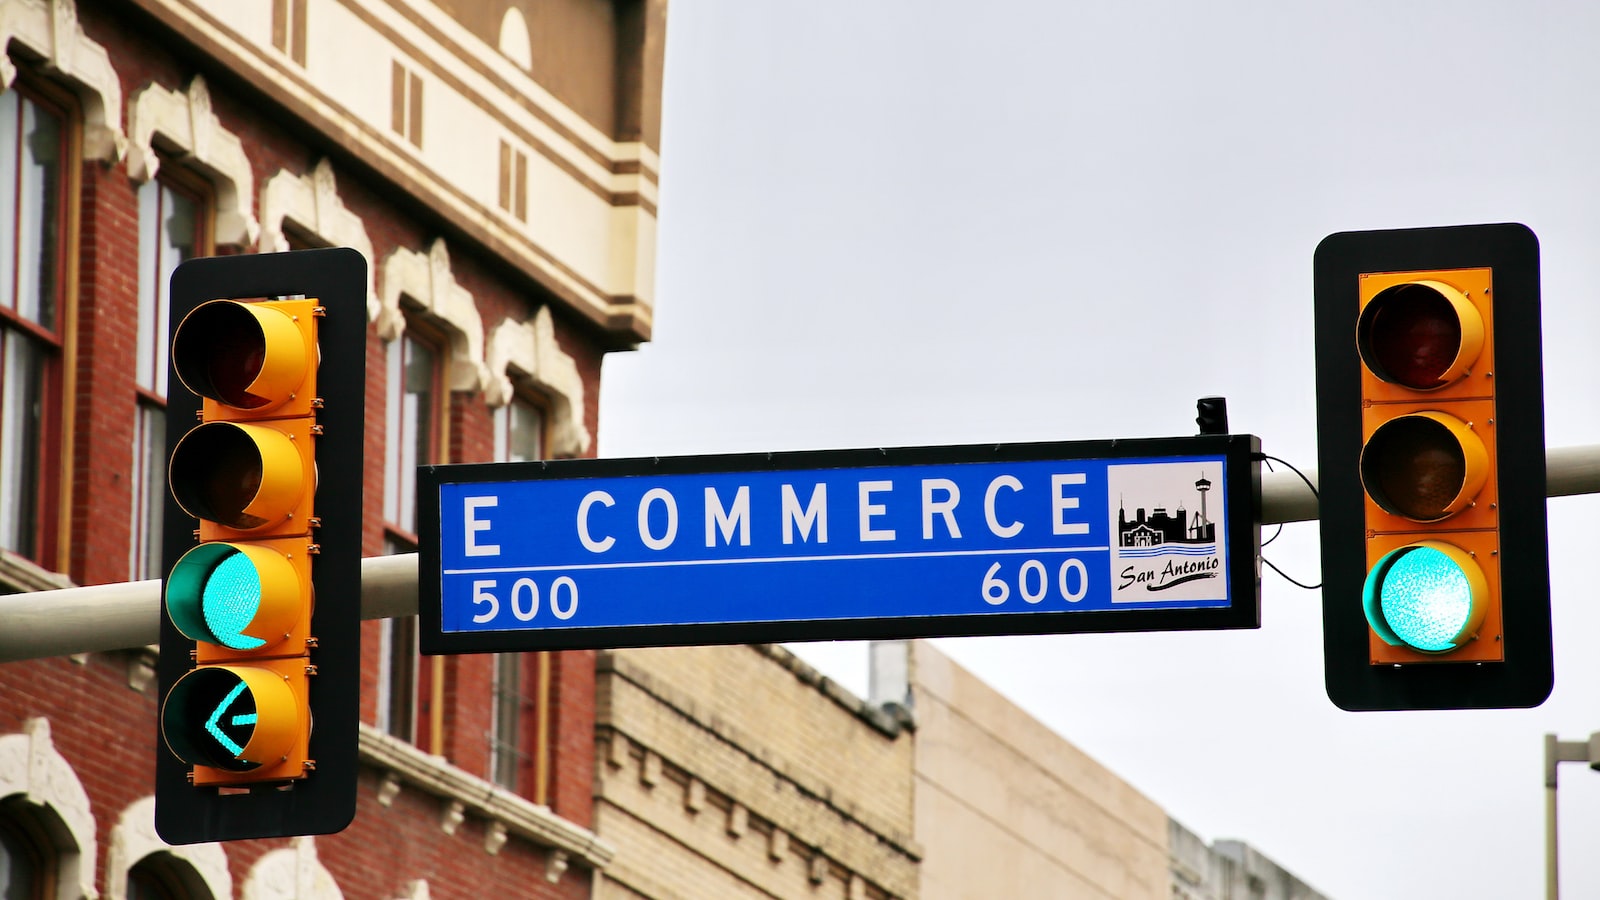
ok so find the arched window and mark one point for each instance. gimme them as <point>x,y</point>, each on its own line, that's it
<point>155,878</point>
<point>26,868</point>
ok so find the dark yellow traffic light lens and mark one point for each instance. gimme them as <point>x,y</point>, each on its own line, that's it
<point>1425,466</point>
<point>245,355</point>
<point>1421,335</point>
<point>1430,596</point>
<point>230,717</point>
<point>238,475</point>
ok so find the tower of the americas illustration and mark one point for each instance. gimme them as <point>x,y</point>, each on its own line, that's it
<point>1202,520</point>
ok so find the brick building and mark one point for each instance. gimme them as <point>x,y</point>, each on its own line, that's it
<point>740,772</point>
<point>495,162</point>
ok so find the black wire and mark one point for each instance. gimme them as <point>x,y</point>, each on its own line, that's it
<point>1269,460</point>
<point>1274,535</point>
<point>1309,587</point>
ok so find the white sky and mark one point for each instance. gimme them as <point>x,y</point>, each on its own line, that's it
<point>896,223</point>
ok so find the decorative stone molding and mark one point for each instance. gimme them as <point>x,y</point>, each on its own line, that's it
<point>454,814</point>
<point>617,750</point>
<point>428,281</point>
<point>738,820</point>
<point>142,666</point>
<point>50,28</point>
<point>291,873</point>
<point>186,125</point>
<point>31,767</point>
<point>515,814</point>
<point>21,575</point>
<point>388,789</point>
<point>417,891</point>
<point>555,865</point>
<point>134,837</point>
<point>311,202</point>
<point>494,837</point>
<point>778,845</point>
<point>529,350</point>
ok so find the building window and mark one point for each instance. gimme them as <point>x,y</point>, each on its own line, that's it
<point>34,144</point>
<point>25,863</point>
<point>514,181</point>
<point>505,744</point>
<point>516,762</point>
<point>173,227</point>
<point>289,29</point>
<point>405,110</point>
<point>413,417</point>
<point>154,878</point>
<point>518,432</point>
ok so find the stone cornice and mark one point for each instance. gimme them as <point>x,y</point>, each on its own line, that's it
<point>466,794</point>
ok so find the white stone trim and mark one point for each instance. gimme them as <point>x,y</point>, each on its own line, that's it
<point>31,766</point>
<point>418,890</point>
<point>312,203</point>
<point>482,800</point>
<point>186,124</point>
<point>529,350</point>
<point>134,838</point>
<point>291,873</point>
<point>428,281</point>
<point>50,28</point>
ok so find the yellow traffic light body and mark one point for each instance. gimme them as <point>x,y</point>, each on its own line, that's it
<point>244,594</point>
<point>262,545</point>
<point>1431,469</point>
<point>1428,453</point>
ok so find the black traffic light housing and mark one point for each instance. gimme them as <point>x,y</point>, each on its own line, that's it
<point>1380,299</point>
<point>224,692</point>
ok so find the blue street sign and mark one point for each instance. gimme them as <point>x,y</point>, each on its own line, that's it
<point>1024,538</point>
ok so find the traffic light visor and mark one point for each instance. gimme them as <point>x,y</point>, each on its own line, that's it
<point>245,355</point>
<point>1425,466</point>
<point>231,717</point>
<point>1420,334</point>
<point>1430,596</point>
<point>242,596</point>
<point>238,475</point>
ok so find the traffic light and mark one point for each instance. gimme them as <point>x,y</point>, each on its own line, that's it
<point>260,637</point>
<point>1430,436</point>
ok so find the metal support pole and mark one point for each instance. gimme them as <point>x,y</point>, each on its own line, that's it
<point>1556,751</point>
<point>119,616</point>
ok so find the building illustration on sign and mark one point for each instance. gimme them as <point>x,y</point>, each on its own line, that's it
<point>1164,528</point>
<point>1174,555</point>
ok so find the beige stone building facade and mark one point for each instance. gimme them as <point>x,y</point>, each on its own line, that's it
<point>1005,807</point>
<point>739,772</point>
<point>731,773</point>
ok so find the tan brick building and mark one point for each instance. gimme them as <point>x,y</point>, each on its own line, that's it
<point>496,163</point>
<point>1005,807</point>
<point>739,772</point>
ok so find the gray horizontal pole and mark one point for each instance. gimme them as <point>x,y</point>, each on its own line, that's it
<point>119,616</point>
<point>1568,471</point>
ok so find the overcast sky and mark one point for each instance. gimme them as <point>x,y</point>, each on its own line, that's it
<point>908,223</point>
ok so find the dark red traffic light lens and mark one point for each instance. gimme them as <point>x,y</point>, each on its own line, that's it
<point>219,351</point>
<point>1410,334</point>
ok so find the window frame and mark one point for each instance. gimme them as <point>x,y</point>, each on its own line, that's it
<point>146,503</point>
<point>50,467</point>
<point>29,835</point>
<point>521,746</point>
<point>400,682</point>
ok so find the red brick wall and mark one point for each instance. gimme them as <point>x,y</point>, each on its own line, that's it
<point>107,731</point>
